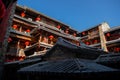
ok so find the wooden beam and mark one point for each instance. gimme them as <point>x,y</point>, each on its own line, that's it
<point>22,22</point>
<point>21,37</point>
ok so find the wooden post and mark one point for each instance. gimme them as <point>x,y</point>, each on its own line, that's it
<point>5,24</point>
<point>20,29</point>
<point>102,39</point>
<point>18,47</point>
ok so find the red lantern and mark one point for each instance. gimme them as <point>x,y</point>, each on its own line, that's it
<point>108,34</point>
<point>23,14</point>
<point>87,43</point>
<point>27,43</point>
<point>74,34</point>
<point>95,41</point>
<point>28,30</point>
<point>21,58</point>
<point>51,37</point>
<point>58,26</point>
<point>38,19</point>
<point>83,33</point>
<point>14,26</point>
<point>67,30</point>
<point>117,49</point>
<point>9,39</point>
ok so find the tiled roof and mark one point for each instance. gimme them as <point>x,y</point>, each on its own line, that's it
<point>65,49</point>
<point>65,66</point>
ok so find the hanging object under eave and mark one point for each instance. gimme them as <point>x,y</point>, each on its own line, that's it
<point>67,30</point>
<point>58,26</point>
<point>74,34</point>
<point>28,30</point>
<point>27,43</point>
<point>9,40</point>
<point>87,43</point>
<point>108,34</point>
<point>14,26</point>
<point>51,37</point>
<point>38,18</point>
<point>23,14</point>
<point>83,33</point>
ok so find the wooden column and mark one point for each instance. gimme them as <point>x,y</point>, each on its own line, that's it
<point>5,24</point>
<point>102,39</point>
<point>40,39</point>
<point>18,47</point>
<point>20,29</point>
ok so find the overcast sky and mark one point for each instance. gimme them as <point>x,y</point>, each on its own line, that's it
<point>79,14</point>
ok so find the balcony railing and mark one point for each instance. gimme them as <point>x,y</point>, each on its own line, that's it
<point>108,42</point>
<point>113,41</point>
<point>24,19</point>
<point>41,44</point>
<point>51,28</point>
<point>20,33</point>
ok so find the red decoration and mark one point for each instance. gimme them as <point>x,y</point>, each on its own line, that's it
<point>51,37</point>
<point>14,26</point>
<point>108,34</point>
<point>28,30</point>
<point>87,43</point>
<point>27,43</point>
<point>23,14</point>
<point>58,26</point>
<point>95,41</point>
<point>38,19</point>
<point>21,58</point>
<point>74,34</point>
<point>83,33</point>
<point>67,30</point>
<point>9,39</point>
<point>2,9</point>
<point>117,49</point>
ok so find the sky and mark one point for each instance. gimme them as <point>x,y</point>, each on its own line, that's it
<point>79,14</point>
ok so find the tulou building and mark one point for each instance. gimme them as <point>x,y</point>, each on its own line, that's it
<point>32,33</point>
<point>34,46</point>
<point>102,36</point>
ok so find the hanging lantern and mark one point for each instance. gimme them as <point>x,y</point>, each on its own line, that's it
<point>95,41</point>
<point>74,34</point>
<point>14,26</point>
<point>27,43</point>
<point>28,30</point>
<point>67,30</point>
<point>117,49</point>
<point>51,37</point>
<point>83,33</point>
<point>23,14</point>
<point>38,19</point>
<point>9,39</point>
<point>108,34</point>
<point>58,26</point>
<point>21,58</point>
<point>87,43</point>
